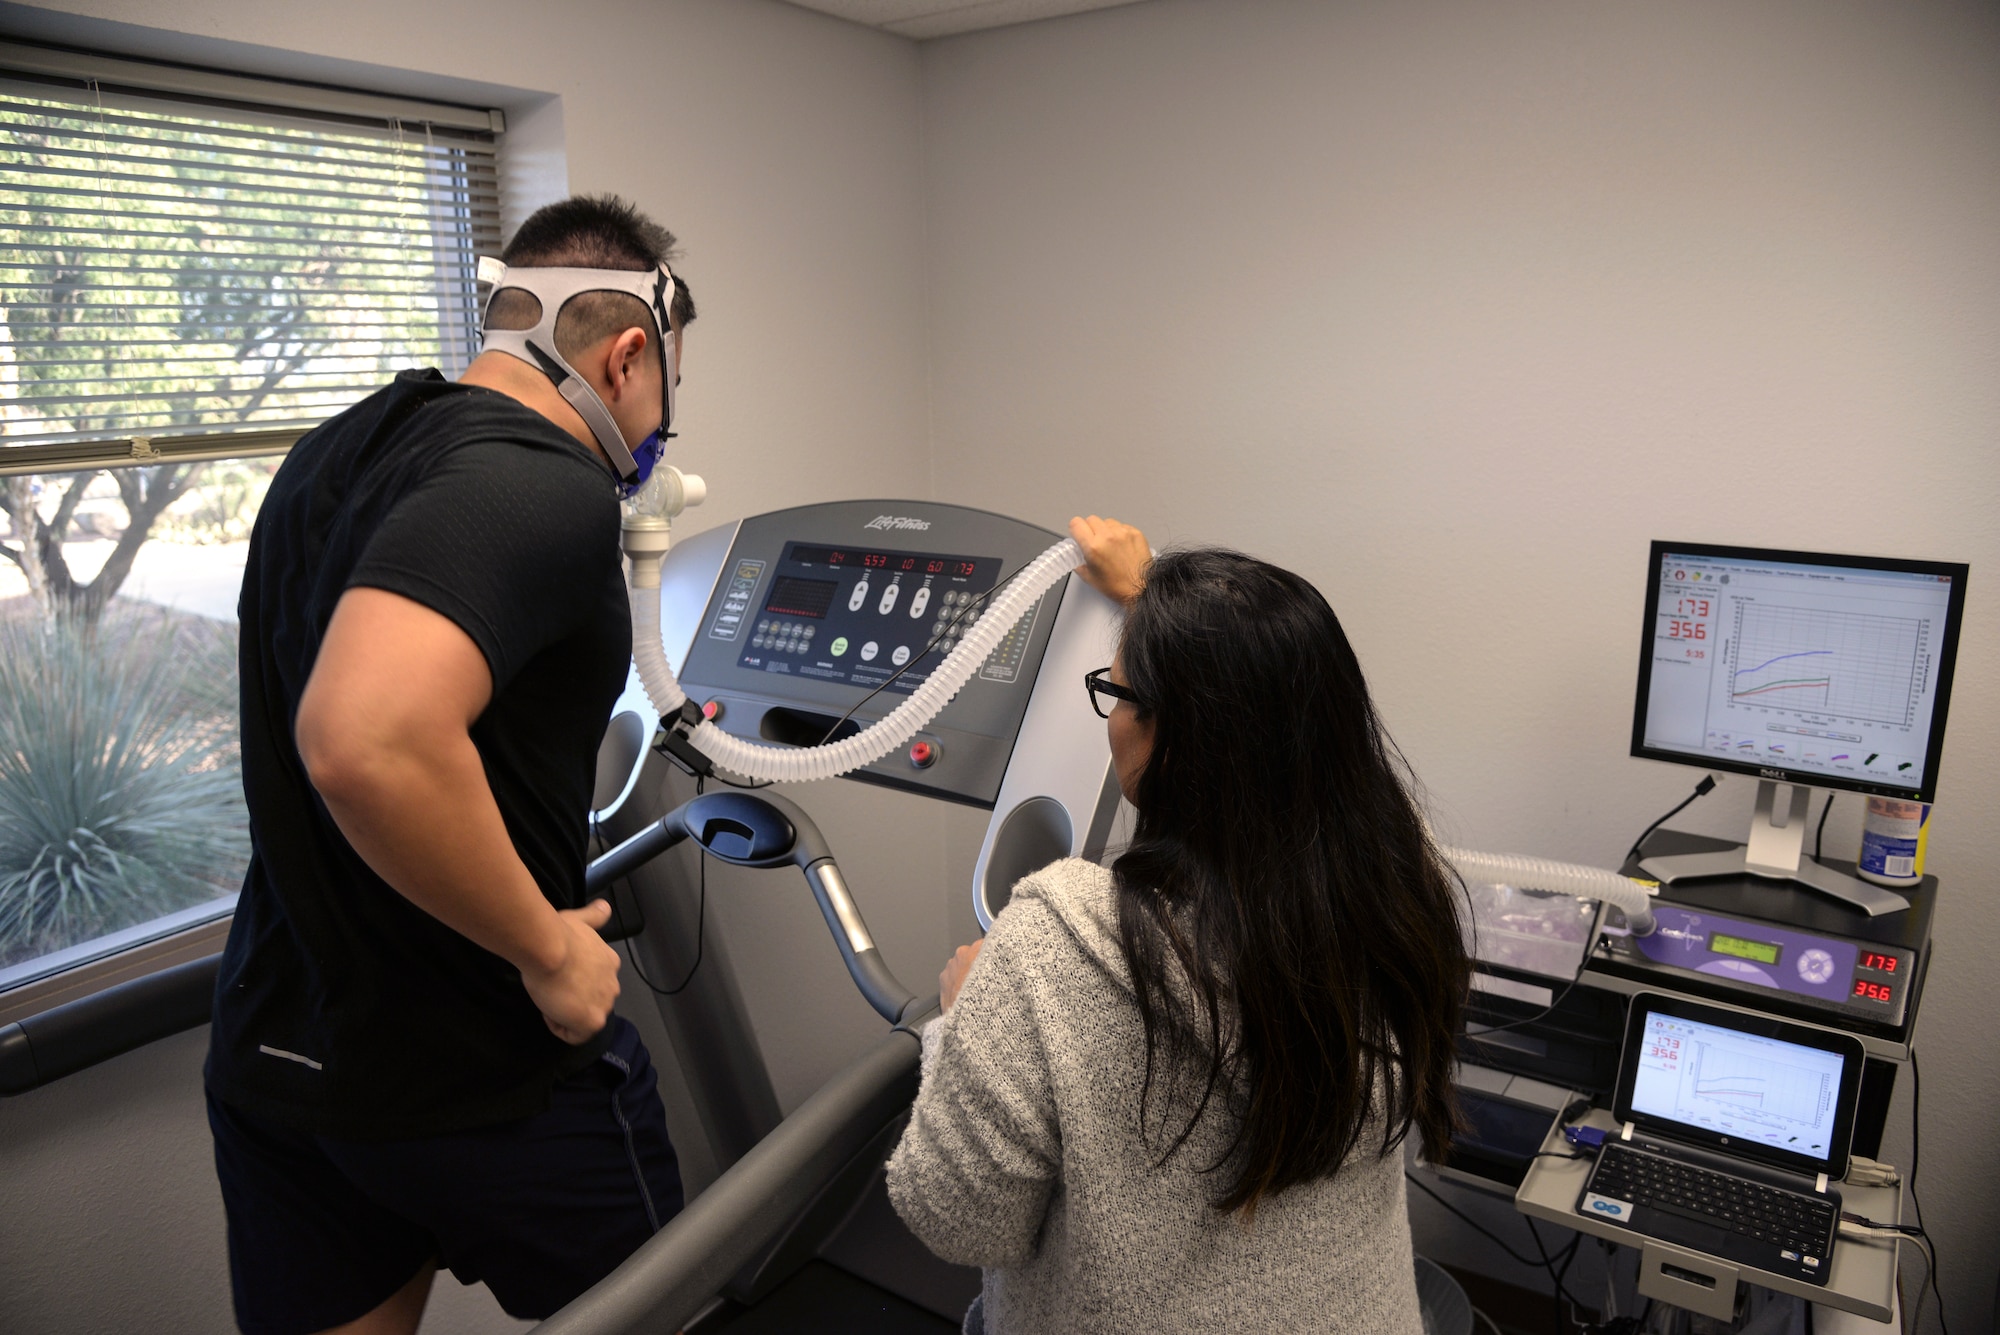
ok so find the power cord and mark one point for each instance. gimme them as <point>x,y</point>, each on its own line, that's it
<point>1541,1014</point>
<point>700,919</point>
<point>1916,1152</point>
<point>700,937</point>
<point>1476,1226</point>
<point>1494,1238</point>
<point>1857,1227</point>
<point>1702,789</point>
<point>1556,1275</point>
<point>1819,836</point>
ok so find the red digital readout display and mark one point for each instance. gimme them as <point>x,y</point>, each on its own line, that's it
<point>1871,991</point>
<point>1873,960</point>
<point>929,565</point>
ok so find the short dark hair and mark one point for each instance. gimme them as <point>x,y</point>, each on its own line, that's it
<point>589,232</point>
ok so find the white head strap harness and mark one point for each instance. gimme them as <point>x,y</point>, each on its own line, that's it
<point>553,289</point>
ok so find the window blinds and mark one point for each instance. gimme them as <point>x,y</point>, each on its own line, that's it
<point>172,267</point>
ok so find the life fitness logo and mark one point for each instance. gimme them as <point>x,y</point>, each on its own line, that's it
<point>898,522</point>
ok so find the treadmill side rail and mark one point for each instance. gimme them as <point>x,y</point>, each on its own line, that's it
<point>674,1274</point>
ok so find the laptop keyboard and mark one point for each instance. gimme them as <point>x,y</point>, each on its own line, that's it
<point>1791,1220</point>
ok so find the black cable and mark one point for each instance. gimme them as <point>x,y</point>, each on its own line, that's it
<point>700,938</point>
<point>1916,1158</point>
<point>978,604</point>
<point>1819,838</point>
<point>700,919</point>
<point>1555,1299</point>
<point>1563,1295</point>
<point>1491,1237</point>
<point>1543,1013</point>
<point>746,787</point>
<point>1702,789</point>
<point>1929,1249</point>
<point>1563,1274</point>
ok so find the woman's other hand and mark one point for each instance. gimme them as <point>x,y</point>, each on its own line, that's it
<point>1115,557</point>
<point>955,969</point>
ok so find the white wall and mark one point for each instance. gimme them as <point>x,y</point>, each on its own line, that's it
<point>1452,306</point>
<point>782,147</point>
<point>1425,300</point>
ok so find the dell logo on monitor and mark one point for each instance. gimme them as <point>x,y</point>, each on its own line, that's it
<point>1772,773</point>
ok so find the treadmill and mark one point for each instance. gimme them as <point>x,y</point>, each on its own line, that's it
<point>797,1232</point>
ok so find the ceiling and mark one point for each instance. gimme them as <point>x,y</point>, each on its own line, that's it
<point>942,18</point>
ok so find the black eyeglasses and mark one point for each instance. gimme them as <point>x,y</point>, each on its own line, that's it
<point>1099,684</point>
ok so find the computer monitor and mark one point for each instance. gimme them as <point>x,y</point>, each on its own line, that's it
<point>1802,668</point>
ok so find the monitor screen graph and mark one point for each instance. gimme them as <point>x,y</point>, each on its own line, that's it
<point>1806,667</point>
<point>1724,1081</point>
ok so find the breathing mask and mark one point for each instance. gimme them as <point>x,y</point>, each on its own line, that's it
<point>553,288</point>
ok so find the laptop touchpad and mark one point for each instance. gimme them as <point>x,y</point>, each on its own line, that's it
<point>1671,1227</point>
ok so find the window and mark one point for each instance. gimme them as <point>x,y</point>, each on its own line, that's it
<point>194,269</point>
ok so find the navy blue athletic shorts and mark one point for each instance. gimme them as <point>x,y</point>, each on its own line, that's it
<point>323,1230</point>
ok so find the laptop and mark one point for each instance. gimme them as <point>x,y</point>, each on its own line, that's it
<point>1733,1128</point>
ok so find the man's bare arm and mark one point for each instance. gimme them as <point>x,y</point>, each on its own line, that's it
<point>384,730</point>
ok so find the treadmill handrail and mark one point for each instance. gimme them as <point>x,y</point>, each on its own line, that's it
<point>79,1034</point>
<point>699,817</point>
<point>678,1270</point>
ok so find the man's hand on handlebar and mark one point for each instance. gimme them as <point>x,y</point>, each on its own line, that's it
<point>576,995</point>
<point>955,969</point>
<point>1115,557</point>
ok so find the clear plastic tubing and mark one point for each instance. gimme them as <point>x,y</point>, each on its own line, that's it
<point>1563,878</point>
<point>786,764</point>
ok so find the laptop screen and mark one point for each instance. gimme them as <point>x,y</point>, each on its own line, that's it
<point>1752,1084</point>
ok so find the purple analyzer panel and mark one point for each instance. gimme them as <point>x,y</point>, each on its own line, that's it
<point>1811,966</point>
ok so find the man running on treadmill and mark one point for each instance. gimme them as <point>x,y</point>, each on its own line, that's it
<point>414,1060</point>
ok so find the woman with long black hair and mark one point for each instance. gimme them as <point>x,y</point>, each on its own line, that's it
<point>1170,1095</point>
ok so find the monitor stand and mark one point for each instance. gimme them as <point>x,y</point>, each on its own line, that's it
<point>1776,840</point>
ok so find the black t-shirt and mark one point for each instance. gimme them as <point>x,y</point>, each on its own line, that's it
<point>341,1007</point>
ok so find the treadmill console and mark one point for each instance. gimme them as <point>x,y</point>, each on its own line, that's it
<point>814,608</point>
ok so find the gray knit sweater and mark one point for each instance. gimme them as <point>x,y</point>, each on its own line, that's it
<point>1024,1155</point>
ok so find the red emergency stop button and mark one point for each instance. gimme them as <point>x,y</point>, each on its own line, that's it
<point>712,710</point>
<point>924,754</point>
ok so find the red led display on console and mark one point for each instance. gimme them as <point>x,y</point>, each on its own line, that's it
<point>1873,960</point>
<point>1871,991</point>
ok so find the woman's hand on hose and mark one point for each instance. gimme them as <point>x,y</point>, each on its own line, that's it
<point>955,970</point>
<point>1115,557</point>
